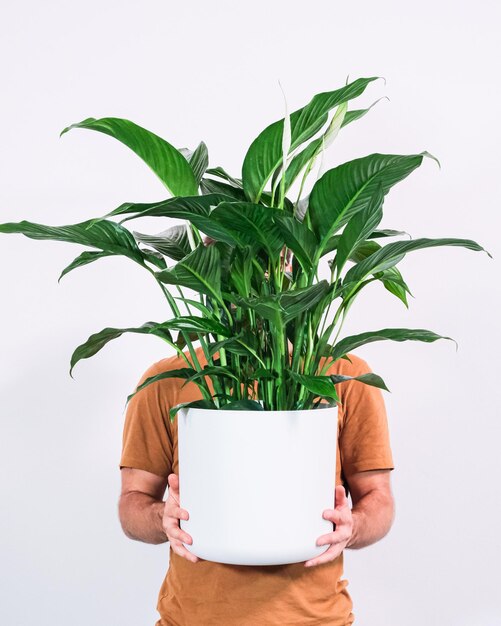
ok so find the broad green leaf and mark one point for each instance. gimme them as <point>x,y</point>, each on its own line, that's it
<point>333,241</point>
<point>348,344</point>
<point>221,173</point>
<point>387,232</point>
<point>268,307</point>
<point>242,270</point>
<point>105,235</point>
<point>348,188</point>
<point>360,226</point>
<point>208,186</point>
<point>298,300</point>
<point>154,257</point>
<point>183,373</point>
<point>181,208</point>
<point>97,341</point>
<point>369,379</point>
<point>194,324</point>
<point>83,259</point>
<point>168,163</point>
<point>172,242</point>
<point>200,271</point>
<point>195,404</point>
<point>319,385</point>
<point>198,160</point>
<point>391,254</point>
<point>265,152</point>
<point>299,238</point>
<point>395,284</point>
<point>249,224</point>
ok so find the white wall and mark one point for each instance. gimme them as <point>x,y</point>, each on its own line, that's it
<point>197,70</point>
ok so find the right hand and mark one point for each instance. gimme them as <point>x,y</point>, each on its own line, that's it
<point>170,521</point>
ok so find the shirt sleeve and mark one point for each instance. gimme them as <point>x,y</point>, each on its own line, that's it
<point>147,439</point>
<point>364,442</point>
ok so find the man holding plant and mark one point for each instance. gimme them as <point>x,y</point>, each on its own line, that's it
<point>198,592</point>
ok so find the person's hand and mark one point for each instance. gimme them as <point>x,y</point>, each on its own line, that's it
<point>170,521</point>
<point>338,539</point>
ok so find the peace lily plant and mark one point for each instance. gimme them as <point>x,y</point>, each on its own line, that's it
<point>263,315</point>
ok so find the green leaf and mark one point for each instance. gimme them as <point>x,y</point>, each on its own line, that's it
<point>348,344</point>
<point>369,379</point>
<point>344,190</point>
<point>221,173</point>
<point>105,235</point>
<point>172,242</point>
<point>393,253</point>
<point>359,227</point>
<point>194,324</point>
<point>395,284</point>
<point>164,160</point>
<point>200,271</point>
<point>387,232</point>
<point>154,257</point>
<point>195,404</point>
<point>296,301</point>
<point>265,152</point>
<point>179,208</point>
<point>299,238</point>
<point>333,241</point>
<point>248,224</point>
<point>97,341</point>
<point>208,186</point>
<point>268,307</point>
<point>319,385</point>
<point>198,159</point>
<point>83,259</point>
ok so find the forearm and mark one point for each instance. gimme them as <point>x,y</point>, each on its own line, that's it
<point>141,517</point>
<point>372,516</point>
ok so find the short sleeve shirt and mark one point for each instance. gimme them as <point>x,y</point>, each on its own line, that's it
<point>207,593</point>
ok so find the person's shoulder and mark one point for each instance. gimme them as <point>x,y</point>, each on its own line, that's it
<point>173,362</point>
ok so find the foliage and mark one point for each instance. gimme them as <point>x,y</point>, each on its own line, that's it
<point>268,324</point>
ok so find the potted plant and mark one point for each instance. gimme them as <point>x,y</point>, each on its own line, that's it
<point>267,322</point>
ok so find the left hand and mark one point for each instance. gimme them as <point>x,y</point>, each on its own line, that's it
<point>338,539</point>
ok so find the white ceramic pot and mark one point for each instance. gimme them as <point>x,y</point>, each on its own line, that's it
<point>255,483</point>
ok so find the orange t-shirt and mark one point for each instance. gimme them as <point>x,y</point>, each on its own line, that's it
<point>207,593</point>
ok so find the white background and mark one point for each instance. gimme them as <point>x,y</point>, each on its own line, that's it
<point>196,70</point>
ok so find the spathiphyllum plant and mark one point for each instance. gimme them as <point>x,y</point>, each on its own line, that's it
<point>251,250</point>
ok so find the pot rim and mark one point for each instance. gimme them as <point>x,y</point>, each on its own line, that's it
<point>252,413</point>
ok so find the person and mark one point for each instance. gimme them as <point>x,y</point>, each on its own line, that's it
<point>197,592</point>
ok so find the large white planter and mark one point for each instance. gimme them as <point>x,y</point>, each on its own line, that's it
<point>255,483</point>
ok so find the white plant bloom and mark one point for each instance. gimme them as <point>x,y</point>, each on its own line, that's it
<point>286,136</point>
<point>331,133</point>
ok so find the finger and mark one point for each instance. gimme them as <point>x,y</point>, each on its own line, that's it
<point>177,512</point>
<point>340,498</point>
<point>329,555</point>
<point>333,515</point>
<point>331,538</point>
<point>179,549</point>
<point>173,480</point>
<point>178,534</point>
